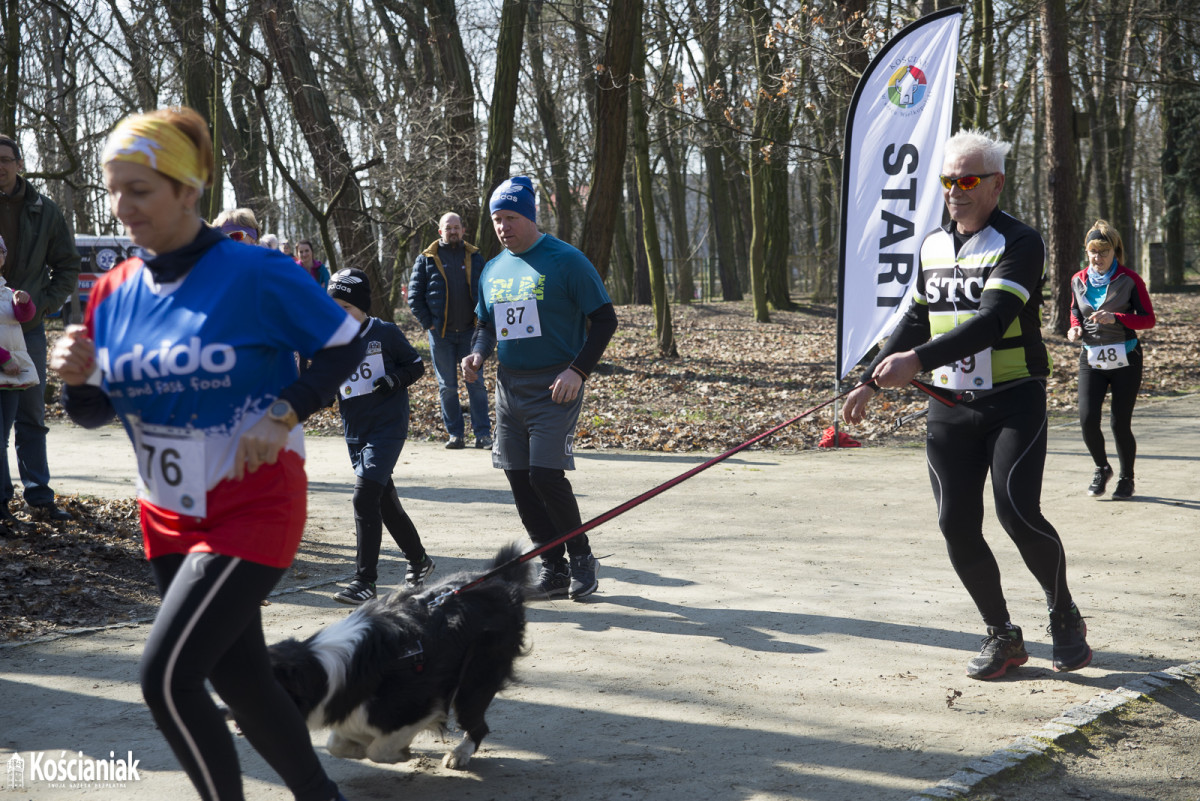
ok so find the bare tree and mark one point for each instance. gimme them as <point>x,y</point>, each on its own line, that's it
<point>1062,234</point>
<point>612,108</point>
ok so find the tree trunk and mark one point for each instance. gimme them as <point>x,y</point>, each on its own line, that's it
<point>779,230</point>
<point>462,164</point>
<point>612,111</point>
<point>563,199</point>
<point>641,267</point>
<point>1062,226</point>
<point>10,75</point>
<point>498,164</point>
<point>187,20</point>
<point>685,285</point>
<point>620,279</point>
<point>1174,110</point>
<point>760,149</point>
<point>283,35</point>
<point>721,213</point>
<point>664,334</point>
<point>720,206</point>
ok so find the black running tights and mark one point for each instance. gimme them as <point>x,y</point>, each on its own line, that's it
<point>210,627</point>
<point>377,506</point>
<point>1004,433</point>
<point>547,506</point>
<point>1093,386</point>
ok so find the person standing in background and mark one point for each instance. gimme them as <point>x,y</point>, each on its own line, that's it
<point>314,267</point>
<point>43,262</point>
<point>442,294</point>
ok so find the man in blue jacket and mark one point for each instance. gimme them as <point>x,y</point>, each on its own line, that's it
<point>43,261</point>
<point>442,294</point>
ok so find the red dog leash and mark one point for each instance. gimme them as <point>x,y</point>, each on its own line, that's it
<point>645,496</point>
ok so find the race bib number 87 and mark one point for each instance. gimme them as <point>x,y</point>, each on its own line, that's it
<point>517,319</point>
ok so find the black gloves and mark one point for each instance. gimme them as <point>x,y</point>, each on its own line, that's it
<point>385,385</point>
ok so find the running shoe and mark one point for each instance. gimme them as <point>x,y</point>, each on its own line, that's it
<point>359,592</point>
<point>1100,481</point>
<point>1067,629</point>
<point>483,443</point>
<point>455,444</point>
<point>1124,490</point>
<point>583,576</point>
<point>553,581</point>
<point>417,571</point>
<point>1003,648</point>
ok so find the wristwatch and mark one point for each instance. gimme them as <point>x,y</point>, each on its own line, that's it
<point>282,412</point>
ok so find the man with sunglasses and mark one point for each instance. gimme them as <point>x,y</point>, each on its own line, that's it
<point>975,322</point>
<point>42,261</point>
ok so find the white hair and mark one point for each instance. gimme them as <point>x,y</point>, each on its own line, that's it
<point>973,143</point>
<point>269,241</point>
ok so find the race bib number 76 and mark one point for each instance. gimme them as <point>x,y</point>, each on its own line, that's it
<point>171,468</point>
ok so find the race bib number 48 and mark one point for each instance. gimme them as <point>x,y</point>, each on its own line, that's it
<point>1107,357</point>
<point>171,468</point>
<point>517,319</point>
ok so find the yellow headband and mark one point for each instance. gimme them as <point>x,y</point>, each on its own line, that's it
<point>156,144</point>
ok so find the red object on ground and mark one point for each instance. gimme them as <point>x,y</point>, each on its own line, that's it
<point>844,440</point>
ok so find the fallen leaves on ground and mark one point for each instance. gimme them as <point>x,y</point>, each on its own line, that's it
<point>85,572</point>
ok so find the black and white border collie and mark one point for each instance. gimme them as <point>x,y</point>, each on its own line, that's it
<point>397,664</point>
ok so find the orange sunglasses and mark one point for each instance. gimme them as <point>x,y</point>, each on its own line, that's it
<point>965,182</point>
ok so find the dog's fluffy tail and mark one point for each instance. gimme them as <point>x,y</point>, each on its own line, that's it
<point>517,572</point>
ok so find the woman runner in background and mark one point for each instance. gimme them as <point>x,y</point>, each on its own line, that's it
<point>1109,304</point>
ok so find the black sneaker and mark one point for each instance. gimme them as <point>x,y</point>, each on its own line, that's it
<point>1067,629</point>
<point>583,576</point>
<point>417,571</point>
<point>1003,648</point>
<point>484,443</point>
<point>455,444</point>
<point>1124,490</point>
<point>359,592</point>
<point>50,511</point>
<point>1100,481</point>
<point>553,581</point>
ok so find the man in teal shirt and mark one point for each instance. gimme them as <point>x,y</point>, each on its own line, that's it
<point>544,309</point>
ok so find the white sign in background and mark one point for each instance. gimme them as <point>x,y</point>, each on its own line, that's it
<point>896,129</point>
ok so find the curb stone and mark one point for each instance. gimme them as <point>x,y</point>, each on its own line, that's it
<point>1058,732</point>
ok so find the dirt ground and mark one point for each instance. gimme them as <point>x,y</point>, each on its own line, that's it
<point>781,626</point>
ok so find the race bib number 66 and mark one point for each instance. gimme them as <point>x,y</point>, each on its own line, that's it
<point>517,319</point>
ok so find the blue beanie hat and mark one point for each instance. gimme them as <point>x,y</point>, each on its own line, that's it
<point>515,194</point>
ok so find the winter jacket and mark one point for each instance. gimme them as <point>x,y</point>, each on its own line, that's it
<point>12,341</point>
<point>44,262</point>
<point>427,287</point>
<point>1126,298</point>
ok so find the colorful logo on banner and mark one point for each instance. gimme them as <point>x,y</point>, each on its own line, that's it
<point>907,86</point>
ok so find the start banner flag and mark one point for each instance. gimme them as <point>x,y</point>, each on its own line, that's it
<point>896,129</point>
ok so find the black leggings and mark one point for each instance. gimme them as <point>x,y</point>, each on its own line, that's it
<point>1006,434</point>
<point>547,506</point>
<point>210,627</point>
<point>1093,386</point>
<point>376,506</point>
